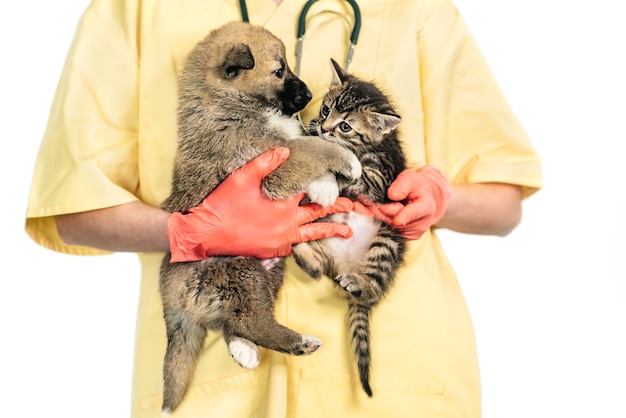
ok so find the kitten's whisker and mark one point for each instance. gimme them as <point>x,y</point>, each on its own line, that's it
<point>304,129</point>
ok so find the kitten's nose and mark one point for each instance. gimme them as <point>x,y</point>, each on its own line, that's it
<point>326,126</point>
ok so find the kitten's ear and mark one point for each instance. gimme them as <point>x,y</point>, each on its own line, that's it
<point>238,58</point>
<point>339,75</point>
<point>385,122</point>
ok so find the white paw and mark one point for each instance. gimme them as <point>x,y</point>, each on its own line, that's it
<point>323,192</point>
<point>310,343</point>
<point>357,169</point>
<point>244,352</point>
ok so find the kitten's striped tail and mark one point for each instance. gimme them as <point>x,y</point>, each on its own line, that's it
<point>360,327</point>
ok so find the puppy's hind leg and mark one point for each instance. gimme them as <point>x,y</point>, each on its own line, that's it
<point>261,328</point>
<point>184,342</point>
<point>248,314</point>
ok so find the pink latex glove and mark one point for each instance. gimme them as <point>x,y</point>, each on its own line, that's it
<point>425,194</point>
<point>237,219</point>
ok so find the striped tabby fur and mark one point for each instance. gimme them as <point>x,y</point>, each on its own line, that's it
<point>358,116</point>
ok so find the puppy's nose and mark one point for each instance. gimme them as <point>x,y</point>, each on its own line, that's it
<point>303,97</point>
<point>308,95</point>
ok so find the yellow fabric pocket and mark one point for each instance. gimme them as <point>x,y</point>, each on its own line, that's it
<point>334,394</point>
<point>233,396</point>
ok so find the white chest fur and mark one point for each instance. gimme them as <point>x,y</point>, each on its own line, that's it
<point>351,251</point>
<point>291,126</point>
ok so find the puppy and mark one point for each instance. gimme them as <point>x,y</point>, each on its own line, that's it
<point>236,96</point>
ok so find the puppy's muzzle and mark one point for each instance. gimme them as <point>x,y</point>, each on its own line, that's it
<point>295,96</point>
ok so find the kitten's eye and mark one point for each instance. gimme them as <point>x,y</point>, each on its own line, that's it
<point>344,127</point>
<point>279,73</point>
<point>325,111</point>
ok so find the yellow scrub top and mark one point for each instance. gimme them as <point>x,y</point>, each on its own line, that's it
<point>111,139</point>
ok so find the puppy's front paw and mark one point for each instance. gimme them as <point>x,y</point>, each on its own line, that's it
<point>357,169</point>
<point>350,168</point>
<point>323,192</point>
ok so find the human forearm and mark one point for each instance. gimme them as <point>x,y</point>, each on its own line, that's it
<point>131,227</point>
<point>483,208</point>
<point>235,219</point>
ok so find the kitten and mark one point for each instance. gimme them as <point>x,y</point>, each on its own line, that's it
<point>358,116</point>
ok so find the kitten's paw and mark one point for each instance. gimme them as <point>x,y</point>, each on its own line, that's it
<point>323,192</point>
<point>244,352</point>
<point>350,283</point>
<point>360,288</point>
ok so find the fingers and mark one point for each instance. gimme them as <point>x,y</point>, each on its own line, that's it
<point>403,185</point>
<point>361,209</point>
<point>414,211</point>
<point>265,163</point>
<point>322,230</point>
<point>378,210</point>
<point>311,231</point>
<point>312,211</point>
<point>388,210</point>
<point>416,229</point>
<point>342,204</point>
<point>282,251</point>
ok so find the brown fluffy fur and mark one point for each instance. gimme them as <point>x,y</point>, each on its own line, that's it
<point>235,92</point>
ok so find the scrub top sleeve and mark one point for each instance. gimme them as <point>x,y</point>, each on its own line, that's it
<point>88,155</point>
<point>470,129</point>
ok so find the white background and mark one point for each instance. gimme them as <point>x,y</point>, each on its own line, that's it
<point>548,302</point>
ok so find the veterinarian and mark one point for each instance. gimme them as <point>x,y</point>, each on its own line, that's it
<point>105,165</point>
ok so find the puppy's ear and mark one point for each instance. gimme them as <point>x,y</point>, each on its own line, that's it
<point>238,58</point>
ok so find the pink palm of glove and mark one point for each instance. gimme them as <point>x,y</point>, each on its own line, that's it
<point>425,194</point>
<point>237,219</point>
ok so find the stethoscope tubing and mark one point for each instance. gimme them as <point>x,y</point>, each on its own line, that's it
<point>356,29</point>
<point>354,36</point>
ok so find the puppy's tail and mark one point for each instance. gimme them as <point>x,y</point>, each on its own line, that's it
<point>184,342</point>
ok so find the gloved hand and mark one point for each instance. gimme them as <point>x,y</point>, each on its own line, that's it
<point>425,194</point>
<point>237,219</point>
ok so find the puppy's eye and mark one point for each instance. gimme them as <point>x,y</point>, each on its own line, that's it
<point>325,111</point>
<point>344,127</point>
<point>279,73</point>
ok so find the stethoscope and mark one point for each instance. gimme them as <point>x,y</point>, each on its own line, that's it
<point>301,29</point>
